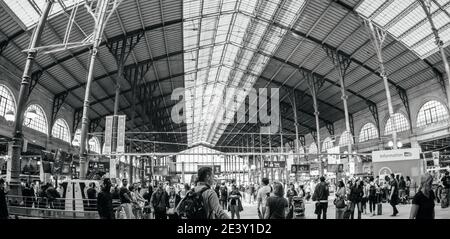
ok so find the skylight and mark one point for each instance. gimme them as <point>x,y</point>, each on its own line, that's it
<point>29,11</point>
<point>406,21</point>
<point>224,37</point>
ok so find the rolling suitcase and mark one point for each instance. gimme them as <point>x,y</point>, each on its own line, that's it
<point>379,209</point>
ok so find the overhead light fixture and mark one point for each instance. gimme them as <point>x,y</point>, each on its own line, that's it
<point>391,144</point>
<point>399,144</point>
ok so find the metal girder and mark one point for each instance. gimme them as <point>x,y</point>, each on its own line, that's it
<point>352,125</point>
<point>404,97</point>
<point>374,111</point>
<point>330,128</point>
<point>439,77</point>
<point>35,77</point>
<point>158,58</point>
<point>94,124</point>
<point>342,62</point>
<point>58,101</point>
<point>302,139</point>
<point>112,39</point>
<point>77,116</point>
<point>4,44</point>
<point>121,47</point>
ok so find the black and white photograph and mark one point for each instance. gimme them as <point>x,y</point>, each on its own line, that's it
<point>243,112</point>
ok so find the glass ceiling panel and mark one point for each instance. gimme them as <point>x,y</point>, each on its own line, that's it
<point>221,47</point>
<point>406,21</point>
<point>29,11</point>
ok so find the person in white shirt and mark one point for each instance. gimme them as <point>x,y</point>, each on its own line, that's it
<point>261,197</point>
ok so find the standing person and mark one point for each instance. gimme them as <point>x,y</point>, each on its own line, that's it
<point>3,206</point>
<point>393,195</point>
<point>373,198</point>
<point>185,190</point>
<point>28,195</point>
<point>223,196</point>
<point>160,202</point>
<point>402,189</point>
<point>290,194</point>
<point>340,200</point>
<point>252,193</point>
<point>92,197</point>
<point>261,197</point>
<point>104,201</point>
<point>446,190</point>
<point>277,206</point>
<point>137,201</point>
<point>174,200</point>
<point>365,198</point>
<point>321,193</point>
<point>356,197</point>
<point>423,202</point>
<point>147,196</point>
<point>125,199</point>
<point>211,208</point>
<point>235,203</point>
<point>408,188</point>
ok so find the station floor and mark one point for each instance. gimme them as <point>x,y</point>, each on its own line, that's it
<point>250,212</point>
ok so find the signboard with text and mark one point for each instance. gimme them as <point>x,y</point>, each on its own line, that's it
<point>396,155</point>
<point>274,164</point>
<point>121,123</point>
<point>108,134</point>
<point>302,168</point>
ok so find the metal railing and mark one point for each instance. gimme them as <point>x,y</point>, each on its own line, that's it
<point>57,208</point>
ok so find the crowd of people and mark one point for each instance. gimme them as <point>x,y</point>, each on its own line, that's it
<point>208,199</point>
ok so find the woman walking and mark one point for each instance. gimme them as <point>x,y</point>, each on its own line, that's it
<point>356,196</point>
<point>277,206</point>
<point>340,200</point>
<point>235,202</point>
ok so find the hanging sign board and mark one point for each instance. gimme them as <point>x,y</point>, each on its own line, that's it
<point>274,164</point>
<point>108,134</point>
<point>302,168</point>
<point>396,155</point>
<point>121,122</point>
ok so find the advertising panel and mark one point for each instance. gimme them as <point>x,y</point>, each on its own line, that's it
<point>396,155</point>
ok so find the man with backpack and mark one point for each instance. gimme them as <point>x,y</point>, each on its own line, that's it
<point>160,202</point>
<point>320,195</point>
<point>202,202</point>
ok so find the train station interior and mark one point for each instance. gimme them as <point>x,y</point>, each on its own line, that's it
<point>153,90</point>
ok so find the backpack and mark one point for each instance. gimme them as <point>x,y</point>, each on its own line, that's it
<point>192,206</point>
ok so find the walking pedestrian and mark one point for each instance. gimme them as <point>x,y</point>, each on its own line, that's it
<point>160,202</point>
<point>423,202</point>
<point>321,193</point>
<point>235,204</point>
<point>356,197</point>
<point>290,194</point>
<point>261,197</point>
<point>373,199</point>
<point>277,206</point>
<point>340,200</point>
<point>393,195</point>
<point>104,201</point>
<point>125,199</point>
<point>174,200</point>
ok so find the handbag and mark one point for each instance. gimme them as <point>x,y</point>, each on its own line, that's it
<point>339,203</point>
<point>317,210</point>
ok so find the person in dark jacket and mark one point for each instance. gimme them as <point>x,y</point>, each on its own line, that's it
<point>3,206</point>
<point>160,202</point>
<point>104,201</point>
<point>320,195</point>
<point>28,195</point>
<point>174,200</point>
<point>356,197</point>
<point>393,195</point>
<point>92,197</point>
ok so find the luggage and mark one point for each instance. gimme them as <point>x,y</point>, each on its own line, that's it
<point>379,209</point>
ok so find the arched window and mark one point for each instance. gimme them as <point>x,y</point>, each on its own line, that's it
<point>312,148</point>
<point>61,131</point>
<point>7,102</point>
<point>301,150</point>
<point>346,139</point>
<point>39,122</point>
<point>327,143</point>
<point>401,123</point>
<point>369,131</point>
<point>432,112</point>
<point>94,145</point>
